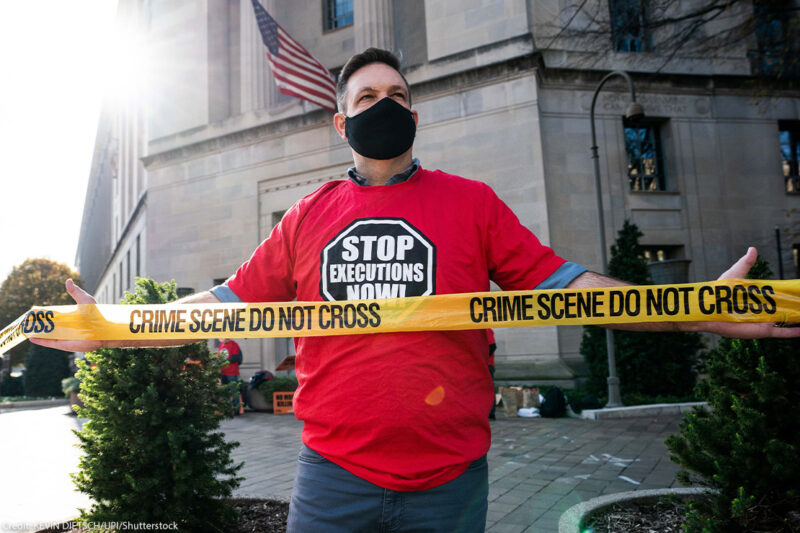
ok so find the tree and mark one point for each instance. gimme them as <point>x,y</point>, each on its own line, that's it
<point>769,31</point>
<point>44,370</point>
<point>152,452</point>
<point>746,444</point>
<point>34,282</point>
<point>648,364</point>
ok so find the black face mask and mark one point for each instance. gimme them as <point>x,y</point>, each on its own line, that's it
<point>384,131</point>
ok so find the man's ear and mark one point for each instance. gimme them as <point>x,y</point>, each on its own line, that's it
<point>416,117</point>
<point>339,123</point>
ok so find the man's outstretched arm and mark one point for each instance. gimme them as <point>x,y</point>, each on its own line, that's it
<point>82,297</point>
<point>738,330</point>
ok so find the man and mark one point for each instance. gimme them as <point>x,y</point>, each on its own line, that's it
<point>230,350</point>
<point>396,428</point>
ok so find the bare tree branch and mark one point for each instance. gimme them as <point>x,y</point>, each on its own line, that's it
<point>564,28</point>
<point>705,29</point>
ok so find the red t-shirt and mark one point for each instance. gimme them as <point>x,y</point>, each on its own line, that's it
<point>229,350</point>
<point>405,411</point>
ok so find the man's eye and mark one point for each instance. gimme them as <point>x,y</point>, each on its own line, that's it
<point>364,97</point>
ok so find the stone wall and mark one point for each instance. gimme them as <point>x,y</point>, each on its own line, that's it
<point>500,100</point>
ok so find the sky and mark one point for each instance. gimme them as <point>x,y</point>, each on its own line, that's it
<point>54,69</point>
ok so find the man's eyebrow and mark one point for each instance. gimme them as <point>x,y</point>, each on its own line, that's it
<point>365,90</point>
<point>392,88</point>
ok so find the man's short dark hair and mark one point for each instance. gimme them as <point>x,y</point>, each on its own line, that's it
<point>356,62</point>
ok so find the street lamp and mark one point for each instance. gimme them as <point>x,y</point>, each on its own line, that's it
<point>634,110</point>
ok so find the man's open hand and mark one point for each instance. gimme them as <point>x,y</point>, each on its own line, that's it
<point>81,297</point>
<point>741,330</point>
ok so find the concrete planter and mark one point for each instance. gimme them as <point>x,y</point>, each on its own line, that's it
<point>34,403</point>
<point>257,401</point>
<point>572,519</point>
<point>658,409</point>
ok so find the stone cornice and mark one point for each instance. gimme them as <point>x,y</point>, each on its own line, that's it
<point>237,138</point>
<point>267,187</point>
<point>674,83</point>
<point>508,59</point>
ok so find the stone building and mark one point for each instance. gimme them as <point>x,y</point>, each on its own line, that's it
<point>193,170</point>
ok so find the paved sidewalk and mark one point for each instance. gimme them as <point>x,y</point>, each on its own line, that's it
<point>537,467</point>
<point>37,454</point>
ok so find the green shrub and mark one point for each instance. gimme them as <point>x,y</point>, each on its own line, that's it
<point>277,384</point>
<point>152,449</point>
<point>746,446</point>
<point>44,370</point>
<point>12,386</point>
<point>70,385</point>
<point>648,364</point>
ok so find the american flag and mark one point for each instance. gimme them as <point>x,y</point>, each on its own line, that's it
<point>297,72</point>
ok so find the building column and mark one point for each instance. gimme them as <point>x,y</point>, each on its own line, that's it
<point>258,91</point>
<point>374,24</point>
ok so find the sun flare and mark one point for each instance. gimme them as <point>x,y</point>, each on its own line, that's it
<point>127,66</point>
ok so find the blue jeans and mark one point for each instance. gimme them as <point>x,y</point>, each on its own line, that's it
<point>235,398</point>
<point>328,499</point>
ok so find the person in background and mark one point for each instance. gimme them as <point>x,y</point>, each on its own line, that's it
<point>230,350</point>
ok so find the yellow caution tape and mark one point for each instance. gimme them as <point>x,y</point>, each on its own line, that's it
<point>731,300</point>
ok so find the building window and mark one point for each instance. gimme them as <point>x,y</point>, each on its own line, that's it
<point>128,279</point>
<point>666,252</point>
<point>796,258</point>
<point>645,155</point>
<point>667,264</point>
<point>628,25</point>
<point>182,292</point>
<point>337,14</point>
<point>138,256</point>
<point>777,34</point>
<point>790,154</point>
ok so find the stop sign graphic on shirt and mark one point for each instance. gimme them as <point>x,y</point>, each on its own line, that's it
<point>378,258</point>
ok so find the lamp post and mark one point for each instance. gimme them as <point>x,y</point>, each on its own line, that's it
<point>634,110</point>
